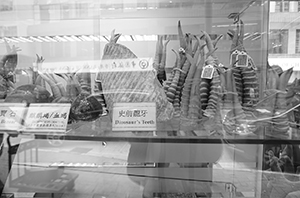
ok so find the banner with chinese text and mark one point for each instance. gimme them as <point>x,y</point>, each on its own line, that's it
<point>51,117</point>
<point>95,66</point>
<point>134,117</point>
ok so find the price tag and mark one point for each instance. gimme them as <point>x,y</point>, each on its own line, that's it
<point>134,117</point>
<point>208,72</point>
<point>47,117</point>
<point>233,57</point>
<point>11,116</point>
<point>242,59</point>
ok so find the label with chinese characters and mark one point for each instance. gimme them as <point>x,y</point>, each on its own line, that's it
<point>47,117</point>
<point>11,116</point>
<point>134,117</point>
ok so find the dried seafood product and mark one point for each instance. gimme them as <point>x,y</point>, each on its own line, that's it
<point>215,95</point>
<point>204,90</point>
<point>161,72</point>
<point>195,111</point>
<point>246,88</point>
<point>158,53</point>
<point>281,121</point>
<point>235,70</point>
<point>174,91</point>
<point>237,75</point>
<point>8,64</point>
<point>98,93</point>
<point>234,114</point>
<point>245,75</point>
<point>85,107</point>
<point>168,82</point>
<point>29,93</point>
<point>186,91</point>
<point>66,88</point>
<point>251,87</point>
<point>215,91</point>
<point>173,86</point>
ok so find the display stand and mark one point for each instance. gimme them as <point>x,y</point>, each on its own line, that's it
<point>52,181</point>
<point>174,164</point>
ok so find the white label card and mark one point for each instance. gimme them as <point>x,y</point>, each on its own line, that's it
<point>208,72</point>
<point>134,117</point>
<point>11,116</point>
<point>47,117</point>
<point>233,57</point>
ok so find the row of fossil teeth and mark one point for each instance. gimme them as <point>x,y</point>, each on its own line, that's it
<point>64,87</point>
<point>280,82</point>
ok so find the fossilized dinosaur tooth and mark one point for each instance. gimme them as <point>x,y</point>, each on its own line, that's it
<point>113,50</point>
<point>131,86</point>
<point>117,51</point>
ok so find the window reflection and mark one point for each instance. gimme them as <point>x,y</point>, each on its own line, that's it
<point>44,12</point>
<point>6,5</point>
<point>66,11</point>
<point>278,43</point>
<point>298,41</point>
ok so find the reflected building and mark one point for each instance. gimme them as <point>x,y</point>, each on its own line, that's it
<point>284,35</point>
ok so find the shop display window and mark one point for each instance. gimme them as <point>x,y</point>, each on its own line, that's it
<point>149,98</point>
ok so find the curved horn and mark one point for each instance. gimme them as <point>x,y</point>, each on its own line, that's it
<point>235,38</point>
<point>215,42</point>
<point>177,62</point>
<point>182,40</point>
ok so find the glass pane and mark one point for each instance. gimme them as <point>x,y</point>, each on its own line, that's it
<point>283,158</point>
<point>145,98</point>
<point>55,34</point>
<point>278,41</point>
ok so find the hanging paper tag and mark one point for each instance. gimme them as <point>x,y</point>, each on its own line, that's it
<point>251,63</point>
<point>242,59</point>
<point>207,72</point>
<point>233,57</point>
